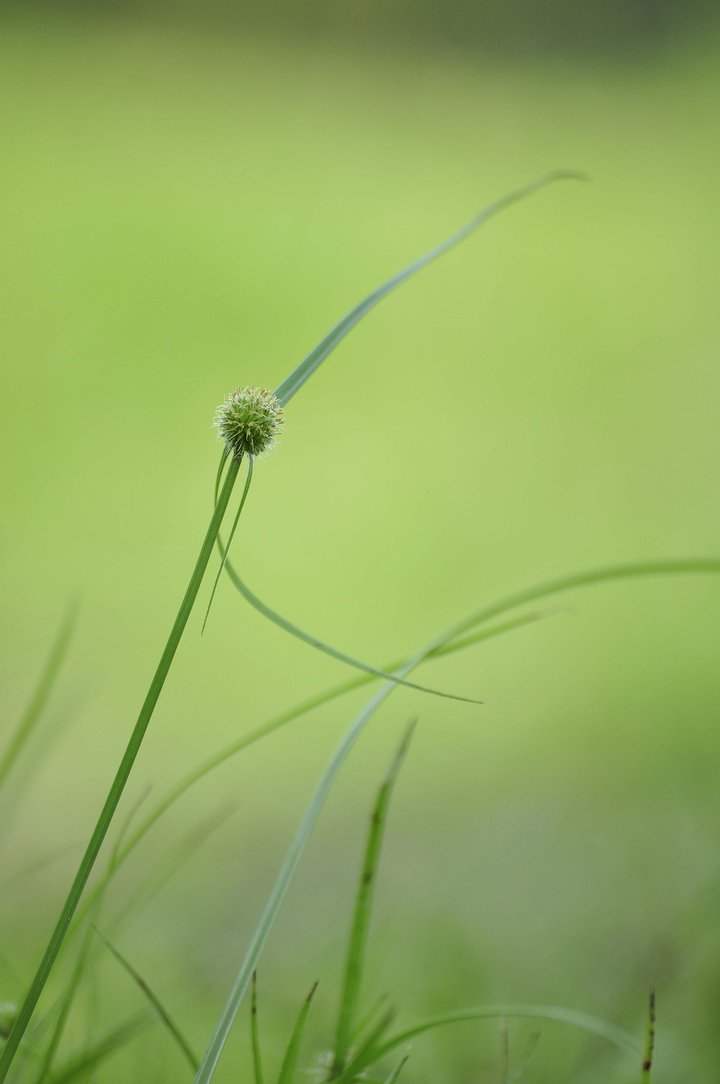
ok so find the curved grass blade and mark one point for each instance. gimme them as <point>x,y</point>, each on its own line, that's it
<point>292,384</point>
<point>118,784</point>
<point>327,649</point>
<point>289,1063</point>
<point>295,851</point>
<point>649,1041</point>
<point>40,696</point>
<point>592,1024</point>
<point>155,1002</point>
<point>357,946</point>
<point>288,626</point>
<point>255,1034</point>
<point>224,551</point>
<point>632,570</point>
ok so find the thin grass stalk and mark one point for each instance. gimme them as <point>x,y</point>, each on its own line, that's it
<point>121,777</point>
<point>173,1029</point>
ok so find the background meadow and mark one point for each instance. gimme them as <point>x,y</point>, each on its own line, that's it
<point>187,204</point>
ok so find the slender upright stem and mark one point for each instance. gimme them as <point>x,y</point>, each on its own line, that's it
<point>121,777</point>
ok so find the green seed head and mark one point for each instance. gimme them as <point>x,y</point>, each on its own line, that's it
<point>8,1015</point>
<point>249,421</point>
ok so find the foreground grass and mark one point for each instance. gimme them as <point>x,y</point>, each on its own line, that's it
<point>599,728</point>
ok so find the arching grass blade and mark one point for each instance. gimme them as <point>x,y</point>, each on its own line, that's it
<point>292,384</point>
<point>327,649</point>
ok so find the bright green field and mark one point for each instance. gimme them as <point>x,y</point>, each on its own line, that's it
<point>180,215</point>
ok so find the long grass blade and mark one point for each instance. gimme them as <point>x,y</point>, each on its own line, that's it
<point>354,963</point>
<point>287,626</point>
<point>40,696</point>
<point>592,1024</point>
<point>292,384</point>
<point>327,649</point>
<point>290,1060</point>
<point>295,851</point>
<point>255,1035</point>
<point>118,784</point>
<point>170,1025</point>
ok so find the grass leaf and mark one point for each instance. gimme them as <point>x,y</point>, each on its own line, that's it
<point>327,649</point>
<point>292,384</point>
<point>154,1000</point>
<point>355,960</point>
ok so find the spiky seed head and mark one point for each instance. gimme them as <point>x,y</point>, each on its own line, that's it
<point>249,421</point>
<point>8,1016</point>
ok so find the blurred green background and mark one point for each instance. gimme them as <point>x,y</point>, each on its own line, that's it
<point>189,197</point>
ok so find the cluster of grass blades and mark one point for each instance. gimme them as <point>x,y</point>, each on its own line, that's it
<point>489,621</point>
<point>366,1048</point>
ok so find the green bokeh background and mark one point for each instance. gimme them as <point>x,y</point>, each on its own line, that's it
<point>186,206</point>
